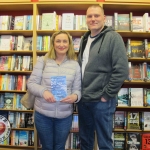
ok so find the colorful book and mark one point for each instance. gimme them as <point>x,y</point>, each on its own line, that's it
<point>59,87</point>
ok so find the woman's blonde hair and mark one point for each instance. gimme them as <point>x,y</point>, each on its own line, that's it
<point>70,53</point>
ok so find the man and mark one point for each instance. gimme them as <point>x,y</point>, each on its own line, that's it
<point>104,64</point>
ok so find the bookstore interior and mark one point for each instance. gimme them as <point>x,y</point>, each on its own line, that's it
<point>25,31</point>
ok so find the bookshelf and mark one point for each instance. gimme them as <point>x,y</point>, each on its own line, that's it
<point>78,8</point>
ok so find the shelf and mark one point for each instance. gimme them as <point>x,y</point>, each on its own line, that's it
<point>25,129</point>
<point>139,59</point>
<point>132,82</point>
<point>15,72</point>
<point>133,7</point>
<point>16,147</point>
<point>17,32</point>
<point>5,52</point>
<point>16,110</point>
<point>16,7</point>
<point>72,6</point>
<point>130,34</point>
<point>129,130</point>
<point>77,33</point>
<point>12,91</point>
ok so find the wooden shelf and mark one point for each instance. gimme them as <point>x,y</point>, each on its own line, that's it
<point>16,110</point>
<point>17,32</point>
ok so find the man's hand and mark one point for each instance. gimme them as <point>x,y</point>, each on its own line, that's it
<point>103,99</point>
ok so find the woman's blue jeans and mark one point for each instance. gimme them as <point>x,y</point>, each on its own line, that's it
<point>53,132</point>
<point>96,116</point>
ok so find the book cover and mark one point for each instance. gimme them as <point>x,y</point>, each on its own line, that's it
<point>133,141</point>
<point>137,51</point>
<point>8,101</point>
<point>49,21</point>
<point>123,97</point>
<point>2,102</point>
<point>148,97</point>
<point>123,22</point>
<point>76,43</point>
<point>109,21</point>
<point>137,23</point>
<point>59,87</point>
<point>145,141</point>
<point>146,121</point>
<point>136,96</point>
<point>119,141</point>
<point>67,21</point>
<point>18,24</point>
<point>119,120</point>
<point>27,43</point>
<point>136,71</point>
<point>23,138</point>
<point>133,120</point>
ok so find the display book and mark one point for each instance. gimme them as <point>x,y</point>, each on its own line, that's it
<point>131,121</point>
<point>16,62</point>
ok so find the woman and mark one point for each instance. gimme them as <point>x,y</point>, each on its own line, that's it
<point>54,104</point>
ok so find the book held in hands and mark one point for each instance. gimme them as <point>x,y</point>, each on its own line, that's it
<point>59,87</point>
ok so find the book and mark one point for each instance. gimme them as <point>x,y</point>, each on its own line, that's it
<point>48,21</point>
<point>137,51</point>
<point>8,101</point>
<point>123,22</point>
<point>27,43</point>
<point>76,43</point>
<point>119,120</point>
<point>137,23</point>
<point>136,71</point>
<point>18,24</point>
<point>133,120</point>
<point>119,140</point>
<point>133,141</point>
<point>146,121</point>
<point>136,96</point>
<point>58,87</point>
<point>123,97</point>
<point>145,141</point>
<point>68,21</point>
<point>23,138</point>
<point>148,97</point>
<point>109,21</point>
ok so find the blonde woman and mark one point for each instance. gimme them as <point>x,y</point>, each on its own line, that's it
<point>53,104</point>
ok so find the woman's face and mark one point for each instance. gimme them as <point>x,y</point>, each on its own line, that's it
<point>61,44</point>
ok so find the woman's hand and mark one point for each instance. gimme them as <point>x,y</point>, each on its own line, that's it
<point>49,97</point>
<point>70,99</point>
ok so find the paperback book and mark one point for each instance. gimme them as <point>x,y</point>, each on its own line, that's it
<point>59,87</point>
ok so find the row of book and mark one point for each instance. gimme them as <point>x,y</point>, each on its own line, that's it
<point>139,71</point>
<point>43,43</point>
<point>129,22</point>
<point>66,21</point>
<point>24,22</point>
<point>19,119</point>
<point>16,63</point>
<point>19,138</point>
<point>13,82</point>
<point>131,141</point>
<point>11,101</point>
<point>73,141</point>
<point>138,49</point>
<point>15,42</point>
<point>133,120</point>
<point>134,97</point>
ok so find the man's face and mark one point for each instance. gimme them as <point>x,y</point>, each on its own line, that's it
<point>95,19</point>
